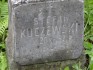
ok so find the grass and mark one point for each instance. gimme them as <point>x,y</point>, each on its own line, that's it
<point>88,31</point>
<point>3,32</point>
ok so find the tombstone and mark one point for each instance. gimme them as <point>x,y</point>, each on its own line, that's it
<point>44,34</point>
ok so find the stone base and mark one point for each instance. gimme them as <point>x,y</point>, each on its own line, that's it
<point>51,66</point>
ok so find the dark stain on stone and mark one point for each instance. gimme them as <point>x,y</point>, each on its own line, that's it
<point>38,46</point>
<point>78,23</point>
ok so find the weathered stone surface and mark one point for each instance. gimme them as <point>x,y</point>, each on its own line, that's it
<point>60,65</point>
<point>44,31</point>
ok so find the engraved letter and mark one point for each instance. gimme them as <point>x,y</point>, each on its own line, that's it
<point>35,21</point>
<point>23,33</point>
<point>36,31</point>
<point>42,32</point>
<point>55,30</point>
<point>41,40</point>
<point>48,30</point>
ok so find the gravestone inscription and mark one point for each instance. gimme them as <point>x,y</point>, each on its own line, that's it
<point>46,30</point>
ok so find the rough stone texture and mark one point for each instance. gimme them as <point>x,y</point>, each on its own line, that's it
<point>56,65</point>
<point>43,31</point>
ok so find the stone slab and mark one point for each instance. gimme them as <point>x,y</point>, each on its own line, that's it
<point>46,30</point>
